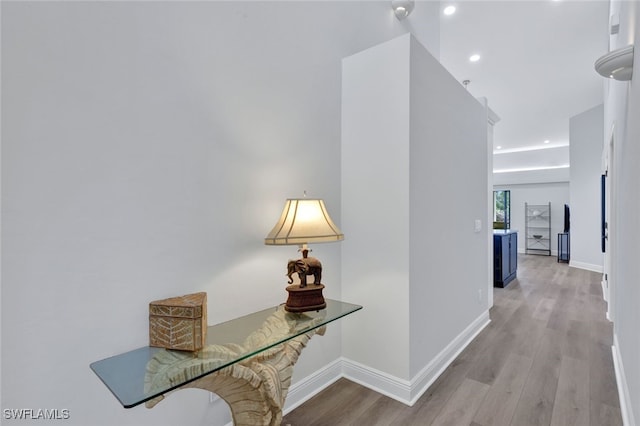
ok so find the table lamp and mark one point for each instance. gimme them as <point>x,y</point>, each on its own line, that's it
<point>303,221</point>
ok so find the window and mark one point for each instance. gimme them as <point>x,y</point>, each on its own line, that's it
<point>501,209</point>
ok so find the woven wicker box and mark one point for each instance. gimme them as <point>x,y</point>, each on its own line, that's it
<point>179,322</point>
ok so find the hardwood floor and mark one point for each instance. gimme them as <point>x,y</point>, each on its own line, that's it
<point>545,359</point>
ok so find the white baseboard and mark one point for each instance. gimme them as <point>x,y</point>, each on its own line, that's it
<point>524,251</point>
<point>588,266</point>
<point>305,389</point>
<point>408,392</point>
<point>379,381</point>
<point>623,389</point>
<point>405,391</point>
<point>436,367</point>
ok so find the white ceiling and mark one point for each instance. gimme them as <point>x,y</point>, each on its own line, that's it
<point>536,67</point>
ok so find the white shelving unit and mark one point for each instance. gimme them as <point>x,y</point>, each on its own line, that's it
<point>538,228</point>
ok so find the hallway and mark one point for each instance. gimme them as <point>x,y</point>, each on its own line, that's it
<point>545,359</point>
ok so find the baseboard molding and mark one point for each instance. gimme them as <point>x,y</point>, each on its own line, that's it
<point>408,392</point>
<point>405,391</point>
<point>623,389</point>
<point>524,251</point>
<point>379,381</point>
<point>305,389</point>
<point>425,378</point>
<point>587,266</point>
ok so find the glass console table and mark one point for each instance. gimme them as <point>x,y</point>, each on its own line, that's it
<point>247,359</point>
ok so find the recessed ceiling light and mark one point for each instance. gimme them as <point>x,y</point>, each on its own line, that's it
<point>546,141</point>
<point>498,147</point>
<point>449,10</point>
<point>474,58</point>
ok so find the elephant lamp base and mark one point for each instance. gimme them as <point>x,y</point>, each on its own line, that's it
<point>304,299</point>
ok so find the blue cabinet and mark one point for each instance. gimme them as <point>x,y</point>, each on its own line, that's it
<point>505,257</point>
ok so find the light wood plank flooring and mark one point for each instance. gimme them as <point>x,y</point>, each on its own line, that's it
<point>545,359</point>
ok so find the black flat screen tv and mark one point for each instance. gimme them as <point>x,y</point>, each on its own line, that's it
<point>567,218</point>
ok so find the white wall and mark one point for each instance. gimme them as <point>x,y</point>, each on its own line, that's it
<point>448,134</point>
<point>532,176</point>
<point>586,133</point>
<point>622,108</point>
<point>147,149</point>
<point>552,156</point>
<point>408,130</point>
<point>538,193</point>
<point>376,204</point>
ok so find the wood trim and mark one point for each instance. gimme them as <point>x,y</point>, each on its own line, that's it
<point>404,391</point>
<point>409,391</point>
<point>378,381</point>
<point>308,387</point>
<point>587,266</point>
<point>626,408</point>
<point>433,370</point>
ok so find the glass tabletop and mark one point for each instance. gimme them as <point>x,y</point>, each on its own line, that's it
<point>142,374</point>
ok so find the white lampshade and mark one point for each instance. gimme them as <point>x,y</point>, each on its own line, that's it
<point>304,220</point>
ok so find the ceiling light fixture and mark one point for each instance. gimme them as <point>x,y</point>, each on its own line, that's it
<point>449,10</point>
<point>474,58</point>
<point>402,8</point>
<point>498,147</point>
<point>547,141</point>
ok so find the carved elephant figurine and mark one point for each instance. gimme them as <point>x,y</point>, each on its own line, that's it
<point>303,267</point>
